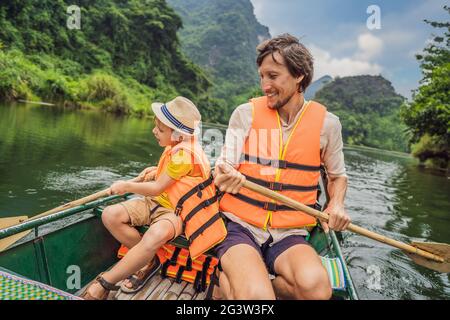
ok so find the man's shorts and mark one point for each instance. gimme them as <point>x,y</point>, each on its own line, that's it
<point>146,211</point>
<point>238,234</point>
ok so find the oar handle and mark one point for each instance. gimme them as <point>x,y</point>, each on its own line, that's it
<point>351,227</point>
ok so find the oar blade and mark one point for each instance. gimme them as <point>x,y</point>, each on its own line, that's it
<point>440,249</point>
<point>11,221</point>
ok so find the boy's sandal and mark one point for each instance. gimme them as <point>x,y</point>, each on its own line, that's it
<point>108,286</point>
<point>141,277</point>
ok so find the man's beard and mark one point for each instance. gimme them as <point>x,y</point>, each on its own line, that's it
<point>280,104</point>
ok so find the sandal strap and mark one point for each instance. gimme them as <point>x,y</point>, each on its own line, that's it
<point>107,285</point>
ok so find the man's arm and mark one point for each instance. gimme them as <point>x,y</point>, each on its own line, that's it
<point>227,178</point>
<point>339,219</point>
<point>333,159</point>
<point>152,188</point>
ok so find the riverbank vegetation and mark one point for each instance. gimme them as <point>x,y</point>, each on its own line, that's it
<point>125,55</point>
<point>428,115</point>
<point>368,108</point>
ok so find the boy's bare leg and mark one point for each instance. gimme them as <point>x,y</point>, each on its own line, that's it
<point>117,221</point>
<point>138,256</point>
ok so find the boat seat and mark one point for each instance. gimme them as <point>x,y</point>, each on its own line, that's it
<point>335,272</point>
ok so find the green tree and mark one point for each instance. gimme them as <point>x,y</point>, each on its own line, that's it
<point>428,115</point>
<point>368,108</point>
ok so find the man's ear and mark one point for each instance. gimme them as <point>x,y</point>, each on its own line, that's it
<point>299,79</point>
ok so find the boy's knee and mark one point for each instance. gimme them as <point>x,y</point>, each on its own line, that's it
<point>113,215</point>
<point>157,236</point>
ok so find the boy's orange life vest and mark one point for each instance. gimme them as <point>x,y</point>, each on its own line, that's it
<point>195,199</point>
<point>292,170</point>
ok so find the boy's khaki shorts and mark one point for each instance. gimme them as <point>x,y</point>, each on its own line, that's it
<point>146,211</point>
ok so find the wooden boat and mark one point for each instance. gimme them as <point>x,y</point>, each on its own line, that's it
<point>68,249</point>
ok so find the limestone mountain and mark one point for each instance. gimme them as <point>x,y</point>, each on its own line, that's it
<point>221,36</point>
<point>368,108</point>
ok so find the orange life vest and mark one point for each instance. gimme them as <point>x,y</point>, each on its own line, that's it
<point>177,263</point>
<point>195,200</point>
<point>292,170</point>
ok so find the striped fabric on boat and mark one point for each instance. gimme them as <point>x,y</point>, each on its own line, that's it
<point>335,272</point>
<point>13,287</point>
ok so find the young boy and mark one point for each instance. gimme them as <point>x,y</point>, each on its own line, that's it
<point>182,167</point>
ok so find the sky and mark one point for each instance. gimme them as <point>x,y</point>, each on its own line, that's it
<point>352,37</point>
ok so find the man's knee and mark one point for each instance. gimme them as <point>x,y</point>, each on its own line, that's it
<point>314,285</point>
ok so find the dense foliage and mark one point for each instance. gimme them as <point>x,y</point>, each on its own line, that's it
<point>221,36</point>
<point>428,115</point>
<point>125,55</point>
<point>368,109</point>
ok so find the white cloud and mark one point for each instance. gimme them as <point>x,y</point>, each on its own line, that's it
<point>369,46</point>
<point>325,64</point>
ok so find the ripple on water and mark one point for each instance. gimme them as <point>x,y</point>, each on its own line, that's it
<point>80,179</point>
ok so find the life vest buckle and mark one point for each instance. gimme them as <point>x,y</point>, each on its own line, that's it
<point>282,164</point>
<point>270,206</point>
<point>276,186</point>
<point>178,210</point>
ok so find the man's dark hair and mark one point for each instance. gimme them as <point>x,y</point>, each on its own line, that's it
<point>299,60</point>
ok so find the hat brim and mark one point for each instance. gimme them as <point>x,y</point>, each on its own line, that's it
<point>156,108</point>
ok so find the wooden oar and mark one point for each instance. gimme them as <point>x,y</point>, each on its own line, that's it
<point>14,221</point>
<point>435,256</point>
<point>8,222</point>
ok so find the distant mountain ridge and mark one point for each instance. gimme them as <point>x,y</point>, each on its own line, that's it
<point>316,86</point>
<point>368,108</point>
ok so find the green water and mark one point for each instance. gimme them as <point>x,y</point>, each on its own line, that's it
<point>50,155</point>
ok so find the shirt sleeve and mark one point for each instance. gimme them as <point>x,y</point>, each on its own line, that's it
<point>331,146</point>
<point>180,165</point>
<point>237,131</point>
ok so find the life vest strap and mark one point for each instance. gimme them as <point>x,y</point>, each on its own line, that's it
<point>179,274</point>
<point>197,189</point>
<point>200,206</point>
<point>189,264</point>
<point>208,223</point>
<point>269,206</point>
<point>278,186</point>
<point>280,164</point>
<point>204,272</point>
<point>174,258</point>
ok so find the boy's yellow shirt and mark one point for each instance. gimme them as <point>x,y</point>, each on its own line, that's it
<point>180,165</point>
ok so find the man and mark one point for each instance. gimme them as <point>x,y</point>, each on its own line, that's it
<point>278,141</point>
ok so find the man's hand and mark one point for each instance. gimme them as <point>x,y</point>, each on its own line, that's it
<point>119,187</point>
<point>228,179</point>
<point>339,219</point>
<point>148,174</point>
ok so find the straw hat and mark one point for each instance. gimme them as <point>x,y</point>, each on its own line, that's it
<point>180,114</point>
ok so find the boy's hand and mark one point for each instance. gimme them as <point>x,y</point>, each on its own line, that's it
<point>119,187</point>
<point>147,174</point>
<point>228,179</point>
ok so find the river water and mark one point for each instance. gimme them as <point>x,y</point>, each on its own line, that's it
<point>51,155</point>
